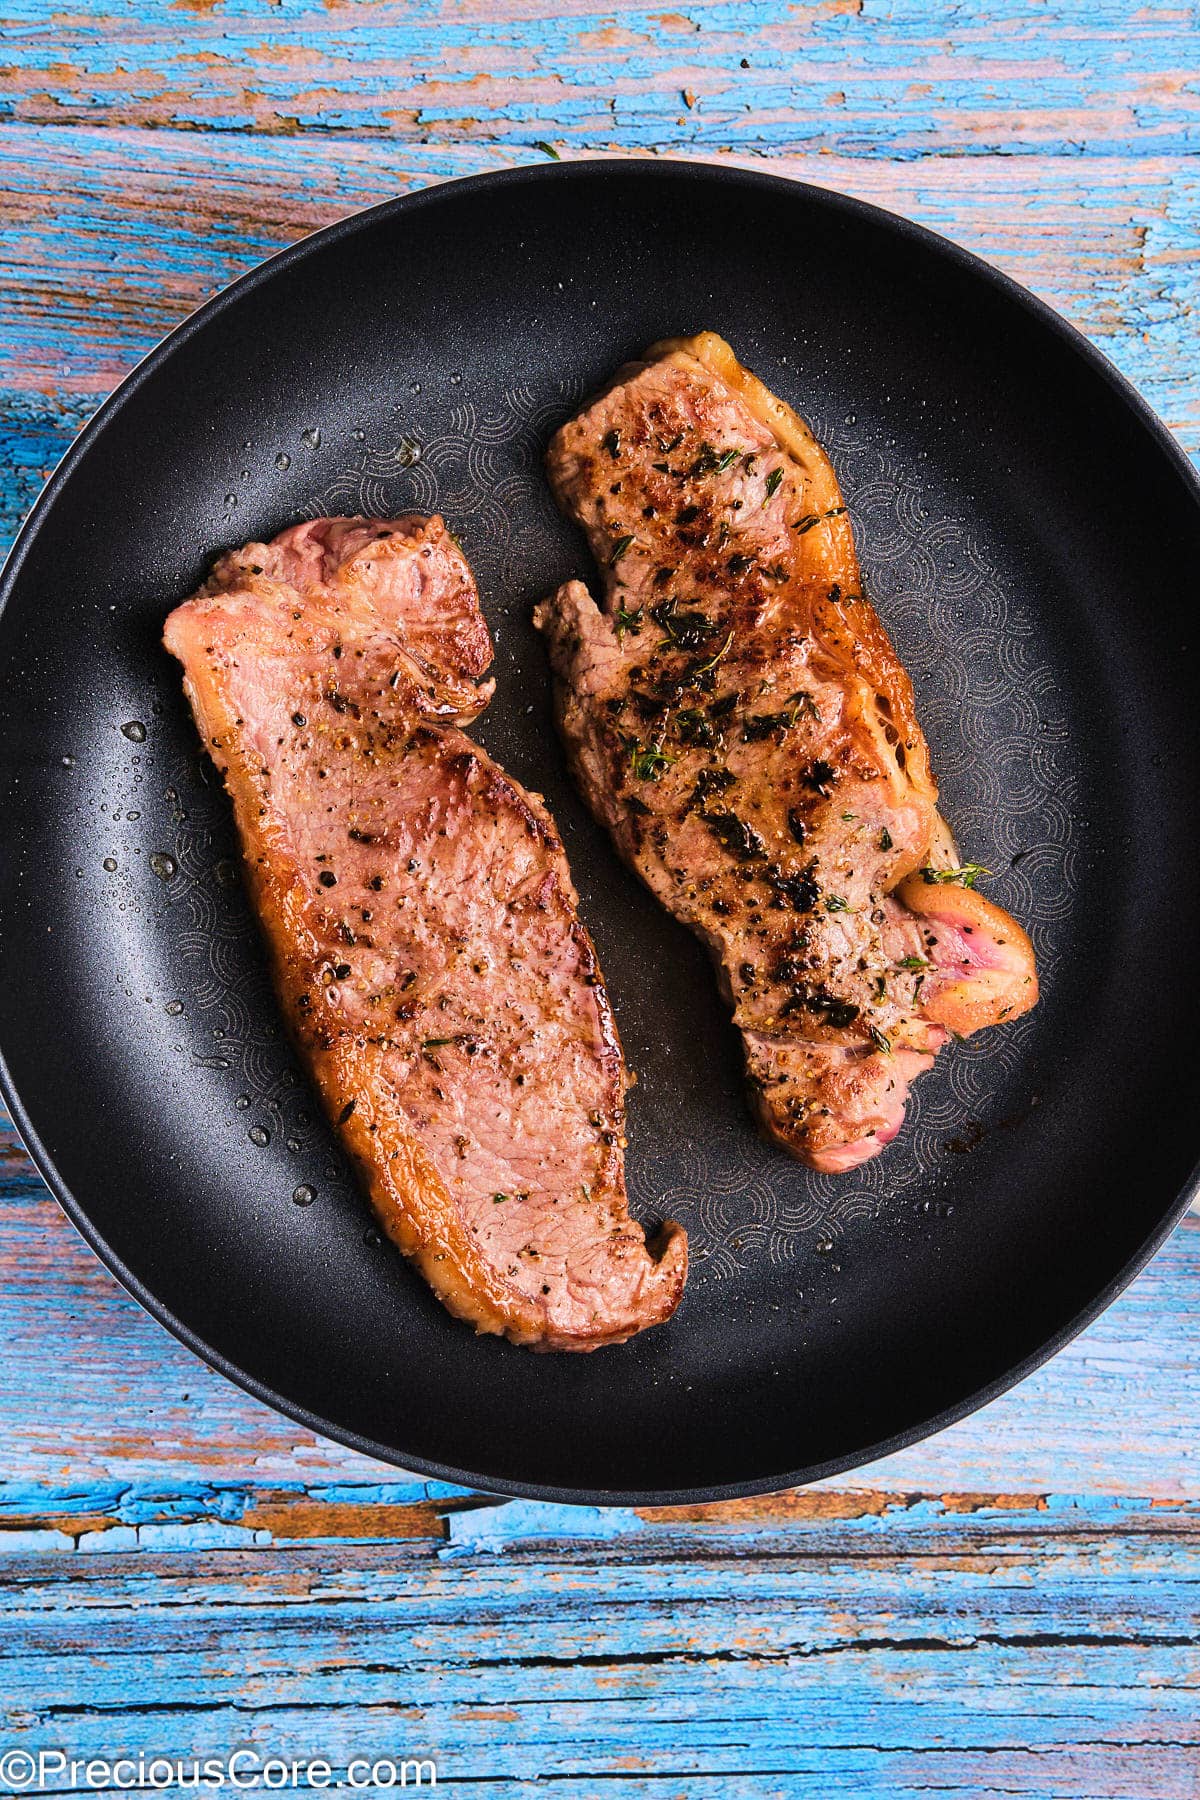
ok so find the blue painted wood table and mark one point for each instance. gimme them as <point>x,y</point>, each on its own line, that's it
<point>1007,1609</point>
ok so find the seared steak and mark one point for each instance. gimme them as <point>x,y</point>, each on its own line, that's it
<point>738,719</point>
<point>422,926</point>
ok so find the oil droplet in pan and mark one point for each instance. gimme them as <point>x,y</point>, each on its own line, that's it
<point>258,1134</point>
<point>304,1195</point>
<point>135,731</point>
<point>162,865</point>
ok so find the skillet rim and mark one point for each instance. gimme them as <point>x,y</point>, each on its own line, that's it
<point>1068,336</point>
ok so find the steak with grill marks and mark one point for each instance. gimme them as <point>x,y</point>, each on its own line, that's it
<point>737,717</point>
<point>422,926</point>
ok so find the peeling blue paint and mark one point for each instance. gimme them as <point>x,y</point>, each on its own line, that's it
<point>892,80</point>
<point>497,1528</point>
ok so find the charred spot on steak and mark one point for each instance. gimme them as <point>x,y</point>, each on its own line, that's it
<point>708,783</point>
<point>735,835</point>
<point>798,890</point>
<point>685,630</point>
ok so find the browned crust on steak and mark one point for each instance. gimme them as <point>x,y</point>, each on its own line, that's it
<point>738,717</point>
<point>850,632</point>
<point>422,927</point>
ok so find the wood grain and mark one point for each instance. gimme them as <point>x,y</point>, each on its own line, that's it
<point>993,1652</point>
<point>1010,1608</point>
<point>851,77</point>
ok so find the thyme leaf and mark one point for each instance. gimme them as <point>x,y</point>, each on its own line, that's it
<point>646,761</point>
<point>712,662</point>
<point>965,876</point>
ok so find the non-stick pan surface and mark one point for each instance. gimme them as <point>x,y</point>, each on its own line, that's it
<point>1032,539</point>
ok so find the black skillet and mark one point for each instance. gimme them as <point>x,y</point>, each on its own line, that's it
<point>1031,536</point>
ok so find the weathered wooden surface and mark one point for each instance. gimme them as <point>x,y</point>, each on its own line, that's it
<point>977,1653</point>
<point>899,80</point>
<point>1008,1609</point>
